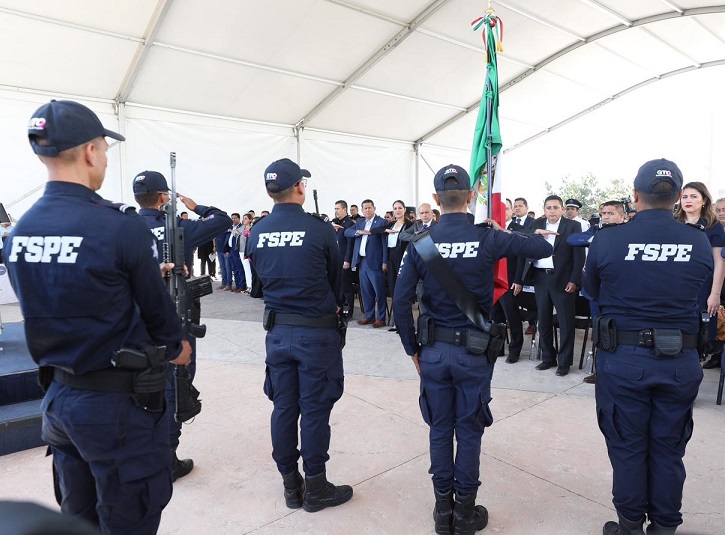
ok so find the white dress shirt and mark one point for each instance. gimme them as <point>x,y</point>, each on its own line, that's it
<point>548,262</point>
<point>364,241</point>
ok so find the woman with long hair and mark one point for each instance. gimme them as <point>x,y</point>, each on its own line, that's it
<point>696,207</point>
<point>396,247</point>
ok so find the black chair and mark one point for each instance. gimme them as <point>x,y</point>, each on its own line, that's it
<point>357,292</point>
<point>722,380</point>
<point>526,301</point>
<point>582,320</point>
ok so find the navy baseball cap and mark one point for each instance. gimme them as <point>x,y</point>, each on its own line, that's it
<point>656,172</point>
<point>64,124</point>
<point>462,182</point>
<point>574,203</point>
<point>148,181</point>
<point>283,174</point>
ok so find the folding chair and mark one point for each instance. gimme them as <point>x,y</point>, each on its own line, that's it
<point>722,380</point>
<point>529,312</point>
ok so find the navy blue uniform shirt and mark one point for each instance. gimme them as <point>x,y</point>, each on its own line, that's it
<point>297,259</point>
<point>87,281</point>
<point>647,273</point>
<point>196,232</point>
<point>471,253</point>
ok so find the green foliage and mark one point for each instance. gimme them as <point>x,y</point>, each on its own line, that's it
<point>589,191</point>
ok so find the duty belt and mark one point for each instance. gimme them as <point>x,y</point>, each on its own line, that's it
<point>450,335</point>
<point>323,322</point>
<point>645,338</point>
<point>106,380</point>
<point>548,271</point>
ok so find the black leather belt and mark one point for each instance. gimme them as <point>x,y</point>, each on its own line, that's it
<point>324,322</point>
<point>548,271</point>
<point>645,338</point>
<point>450,335</point>
<point>107,380</point>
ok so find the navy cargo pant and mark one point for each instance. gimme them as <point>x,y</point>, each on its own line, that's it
<point>455,391</point>
<point>644,410</point>
<point>112,458</point>
<point>304,379</point>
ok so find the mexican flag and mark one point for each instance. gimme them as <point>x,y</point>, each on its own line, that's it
<point>487,144</point>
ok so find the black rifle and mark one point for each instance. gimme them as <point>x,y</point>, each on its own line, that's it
<point>317,207</point>
<point>184,293</point>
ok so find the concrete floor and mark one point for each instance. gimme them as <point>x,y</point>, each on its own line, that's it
<point>544,467</point>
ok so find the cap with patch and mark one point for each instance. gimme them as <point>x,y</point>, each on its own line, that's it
<point>654,176</point>
<point>283,174</point>
<point>148,181</point>
<point>462,180</point>
<point>62,125</point>
<point>574,203</point>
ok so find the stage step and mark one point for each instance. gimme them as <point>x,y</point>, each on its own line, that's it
<point>19,386</point>
<point>20,427</point>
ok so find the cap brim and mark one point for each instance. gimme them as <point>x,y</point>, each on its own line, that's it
<point>114,135</point>
<point>305,172</point>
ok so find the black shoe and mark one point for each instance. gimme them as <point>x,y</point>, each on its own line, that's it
<point>468,517</point>
<point>545,365</point>
<point>655,529</point>
<point>511,359</point>
<point>561,371</point>
<point>294,489</point>
<point>624,527</point>
<point>180,467</point>
<point>714,362</point>
<point>443,512</point>
<point>320,493</point>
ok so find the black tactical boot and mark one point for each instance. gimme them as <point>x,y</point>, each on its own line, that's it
<point>294,489</point>
<point>180,467</point>
<point>655,529</point>
<point>320,493</point>
<point>443,511</point>
<point>468,517</point>
<point>624,527</point>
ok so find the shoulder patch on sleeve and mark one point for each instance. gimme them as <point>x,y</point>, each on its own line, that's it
<point>121,207</point>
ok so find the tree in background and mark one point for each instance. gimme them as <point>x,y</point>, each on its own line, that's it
<point>589,192</point>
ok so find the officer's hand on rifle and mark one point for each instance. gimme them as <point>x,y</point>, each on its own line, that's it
<point>166,267</point>
<point>184,357</point>
<point>189,203</point>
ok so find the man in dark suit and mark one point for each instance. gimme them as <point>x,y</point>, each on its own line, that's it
<point>341,223</point>
<point>556,281</point>
<point>506,308</point>
<point>370,258</point>
<point>521,216</point>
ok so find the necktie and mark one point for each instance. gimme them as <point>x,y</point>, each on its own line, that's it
<point>424,227</point>
<point>518,220</point>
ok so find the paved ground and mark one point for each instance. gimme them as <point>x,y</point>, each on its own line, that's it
<point>543,463</point>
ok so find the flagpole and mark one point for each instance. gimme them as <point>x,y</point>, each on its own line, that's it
<point>489,142</point>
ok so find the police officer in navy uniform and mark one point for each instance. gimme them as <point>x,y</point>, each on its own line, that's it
<point>297,259</point>
<point>100,324</point>
<point>455,383</point>
<point>341,223</point>
<point>648,370</point>
<point>151,192</point>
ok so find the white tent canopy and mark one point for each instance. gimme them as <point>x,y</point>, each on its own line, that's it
<point>367,94</point>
